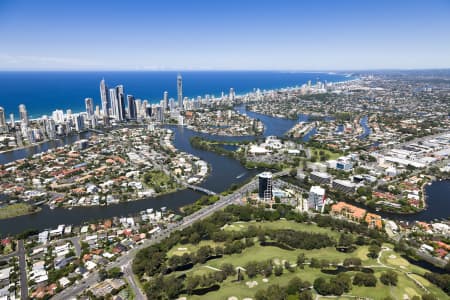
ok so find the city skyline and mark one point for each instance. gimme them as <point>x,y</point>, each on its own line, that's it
<point>261,35</point>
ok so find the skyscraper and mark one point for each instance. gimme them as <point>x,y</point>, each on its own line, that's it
<point>180,91</point>
<point>114,103</point>
<point>89,107</point>
<point>23,114</point>
<point>132,112</point>
<point>3,126</point>
<point>12,120</point>
<point>265,186</point>
<point>121,102</point>
<point>166,100</point>
<point>106,102</point>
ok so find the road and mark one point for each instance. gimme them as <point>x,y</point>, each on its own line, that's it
<point>23,271</point>
<point>129,276</point>
<point>126,260</point>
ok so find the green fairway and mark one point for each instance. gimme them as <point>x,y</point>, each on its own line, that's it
<point>282,224</point>
<point>407,281</point>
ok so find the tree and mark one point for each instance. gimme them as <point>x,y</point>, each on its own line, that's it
<point>315,263</point>
<point>389,278</point>
<point>252,269</point>
<point>267,268</point>
<point>278,270</point>
<point>191,283</point>
<point>228,269</point>
<point>346,240</point>
<point>364,279</point>
<point>374,251</point>
<point>195,238</point>
<point>305,295</point>
<point>352,261</point>
<point>294,285</point>
<point>429,297</point>
<point>301,260</point>
<point>114,273</point>
<point>344,281</point>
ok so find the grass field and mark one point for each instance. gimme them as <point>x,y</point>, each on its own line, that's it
<point>407,273</point>
<point>328,153</point>
<point>283,224</point>
<point>14,210</point>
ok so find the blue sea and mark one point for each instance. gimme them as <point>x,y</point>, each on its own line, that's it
<point>43,92</point>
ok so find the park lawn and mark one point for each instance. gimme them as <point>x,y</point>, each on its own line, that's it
<point>14,210</point>
<point>283,224</point>
<point>263,253</point>
<point>176,250</point>
<point>332,155</point>
<point>241,290</point>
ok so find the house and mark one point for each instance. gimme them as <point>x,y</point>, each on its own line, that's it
<point>348,211</point>
<point>374,221</point>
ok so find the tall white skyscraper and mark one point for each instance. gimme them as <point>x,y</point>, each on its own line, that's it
<point>3,125</point>
<point>180,91</point>
<point>166,100</point>
<point>106,102</point>
<point>231,95</point>
<point>114,103</point>
<point>138,103</point>
<point>23,114</point>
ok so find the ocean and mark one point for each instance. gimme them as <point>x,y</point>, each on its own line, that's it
<point>43,92</point>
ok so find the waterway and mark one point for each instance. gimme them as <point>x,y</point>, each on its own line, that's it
<point>364,122</point>
<point>224,172</point>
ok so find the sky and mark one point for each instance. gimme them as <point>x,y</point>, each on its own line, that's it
<point>224,35</point>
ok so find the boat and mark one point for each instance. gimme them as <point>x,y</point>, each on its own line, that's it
<point>240,175</point>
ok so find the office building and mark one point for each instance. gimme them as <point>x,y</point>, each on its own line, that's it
<point>159,113</point>
<point>115,110</point>
<point>23,114</point>
<point>138,103</point>
<point>344,186</point>
<point>50,128</point>
<point>166,100</point>
<point>106,101</point>
<point>89,107</point>
<point>3,125</point>
<point>79,123</point>
<point>316,198</point>
<point>180,91</point>
<point>265,186</point>
<point>121,102</point>
<point>231,96</point>
<point>12,120</point>
<point>132,112</point>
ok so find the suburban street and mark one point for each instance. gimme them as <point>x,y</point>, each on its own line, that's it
<point>23,271</point>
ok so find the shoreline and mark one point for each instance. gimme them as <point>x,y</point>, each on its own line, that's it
<point>245,92</point>
<point>43,142</point>
<point>37,210</point>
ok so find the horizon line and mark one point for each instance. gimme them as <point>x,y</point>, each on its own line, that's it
<point>227,70</point>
